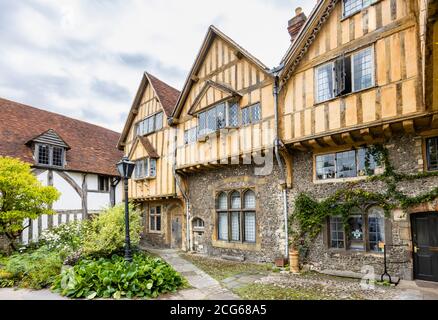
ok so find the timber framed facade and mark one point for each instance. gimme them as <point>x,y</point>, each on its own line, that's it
<point>247,140</point>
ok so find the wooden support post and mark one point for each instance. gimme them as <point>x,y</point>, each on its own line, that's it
<point>329,140</point>
<point>300,146</point>
<point>314,144</point>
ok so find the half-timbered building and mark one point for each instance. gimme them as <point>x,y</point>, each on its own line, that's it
<point>77,158</point>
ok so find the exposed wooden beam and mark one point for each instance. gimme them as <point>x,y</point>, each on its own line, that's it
<point>348,138</point>
<point>366,135</point>
<point>300,146</point>
<point>239,55</point>
<point>408,126</point>
<point>194,78</point>
<point>329,140</point>
<point>434,122</point>
<point>314,144</point>
<point>387,131</point>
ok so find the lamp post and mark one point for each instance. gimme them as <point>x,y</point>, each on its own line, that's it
<point>126,168</point>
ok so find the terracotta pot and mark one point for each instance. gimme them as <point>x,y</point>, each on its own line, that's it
<point>294,261</point>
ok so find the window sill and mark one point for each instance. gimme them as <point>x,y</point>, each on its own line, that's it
<point>344,96</point>
<point>236,245</point>
<point>155,232</point>
<point>340,180</point>
<point>98,191</point>
<point>356,253</point>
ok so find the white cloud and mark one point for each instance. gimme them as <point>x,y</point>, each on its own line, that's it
<point>85,58</point>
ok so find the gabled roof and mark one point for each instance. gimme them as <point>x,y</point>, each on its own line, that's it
<point>144,141</point>
<point>230,92</point>
<point>212,33</point>
<point>93,148</point>
<point>306,37</point>
<point>49,137</point>
<point>166,94</point>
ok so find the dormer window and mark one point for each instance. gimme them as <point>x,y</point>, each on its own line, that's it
<point>49,155</point>
<point>145,169</point>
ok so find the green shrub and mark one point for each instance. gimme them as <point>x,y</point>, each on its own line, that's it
<point>66,238</point>
<point>144,277</point>
<point>36,269</point>
<point>106,232</point>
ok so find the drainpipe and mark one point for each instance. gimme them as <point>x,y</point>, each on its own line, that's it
<point>277,144</point>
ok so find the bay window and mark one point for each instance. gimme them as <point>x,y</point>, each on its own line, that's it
<point>352,6</point>
<point>150,124</point>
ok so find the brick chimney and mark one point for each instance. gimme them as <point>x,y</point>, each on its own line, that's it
<point>296,23</point>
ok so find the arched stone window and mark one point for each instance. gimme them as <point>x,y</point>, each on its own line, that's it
<point>236,216</point>
<point>198,224</point>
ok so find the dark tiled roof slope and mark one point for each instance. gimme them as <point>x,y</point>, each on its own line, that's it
<point>93,148</point>
<point>167,94</point>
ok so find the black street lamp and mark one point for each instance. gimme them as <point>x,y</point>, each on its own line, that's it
<point>126,168</point>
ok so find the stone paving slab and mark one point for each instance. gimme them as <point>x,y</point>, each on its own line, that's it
<point>25,294</point>
<point>204,286</point>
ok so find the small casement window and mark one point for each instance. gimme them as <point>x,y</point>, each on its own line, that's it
<point>150,124</point>
<point>155,219</point>
<point>346,74</point>
<point>190,135</point>
<point>352,6</point>
<point>432,153</point>
<point>49,155</point>
<point>145,169</point>
<point>198,223</point>
<point>103,183</point>
<point>236,216</point>
<point>347,164</point>
<point>364,231</point>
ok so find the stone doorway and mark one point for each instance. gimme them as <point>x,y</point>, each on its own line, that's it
<point>425,244</point>
<point>176,229</point>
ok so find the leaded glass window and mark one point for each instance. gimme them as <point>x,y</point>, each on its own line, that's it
<point>249,200</point>
<point>353,6</point>
<point>223,226</point>
<point>346,164</point>
<point>58,156</point>
<point>325,167</point>
<point>235,200</point>
<point>155,219</point>
<point>432,153</point>
<point>233,115</point>
<point>336,233</point>
<point>324,82</point>
<point>43,154</point>
<point>250,227</point>
<point>235,226</point>
<point>356,232</point>
<point>376,228</point>
<point>223,201</point>
<point>363,69</point>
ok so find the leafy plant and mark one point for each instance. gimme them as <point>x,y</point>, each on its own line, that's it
<point>116,278</point>
<point>66,238</point>
<point>36,269</point>
<point>22,197</point>
<point>106,233</point>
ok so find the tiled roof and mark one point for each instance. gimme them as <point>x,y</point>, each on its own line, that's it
<point>93,148</point>
<point>167,94</point>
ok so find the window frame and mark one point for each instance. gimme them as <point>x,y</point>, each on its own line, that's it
<point>344,16</point>
<point>156,216</point>
<point>229,211</point>
<point>427,154</point>
<point>351,55</point>
<point>148,167</point>
<point>373,71</point>
<point>140,131</point>
<point>106,189</point>
<point>50,155</point>
<point>332,62</point>
<point>336,178</point>
<point>365,214</point>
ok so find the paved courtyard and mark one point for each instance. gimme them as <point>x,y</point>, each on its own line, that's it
<point>204,287</point>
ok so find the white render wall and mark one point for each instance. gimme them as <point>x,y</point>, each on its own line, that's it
<point>70,199</point>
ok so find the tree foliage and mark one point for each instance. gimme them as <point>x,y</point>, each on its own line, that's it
<point>22,197</point>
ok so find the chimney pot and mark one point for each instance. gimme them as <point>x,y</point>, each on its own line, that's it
<point>296,23</point>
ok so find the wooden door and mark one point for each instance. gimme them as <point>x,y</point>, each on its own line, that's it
<point>425,241</point>
<point>177,232</point>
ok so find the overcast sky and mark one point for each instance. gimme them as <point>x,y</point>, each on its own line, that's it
<point>85,58</point>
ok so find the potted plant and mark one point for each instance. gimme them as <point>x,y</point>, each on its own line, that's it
<point>294,252</point>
